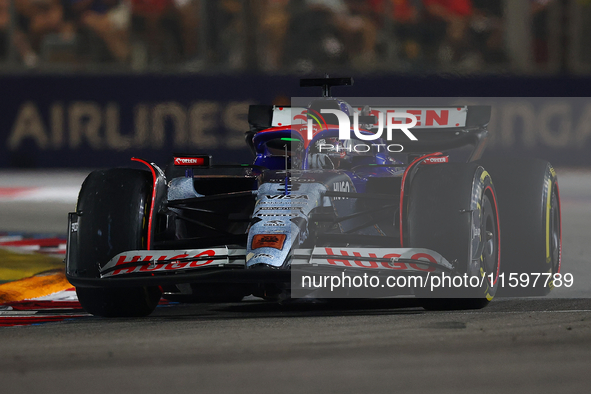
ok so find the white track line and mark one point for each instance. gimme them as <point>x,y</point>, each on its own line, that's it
<point>68,194</point>
<point>493,312</point>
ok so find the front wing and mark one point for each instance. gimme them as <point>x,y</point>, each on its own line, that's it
<point>224,264</point>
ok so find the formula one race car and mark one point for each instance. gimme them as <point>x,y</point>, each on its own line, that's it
<point>322,196</point>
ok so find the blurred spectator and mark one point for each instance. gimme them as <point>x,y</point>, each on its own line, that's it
<point>401,26</point>
<point>274,17</point>
<point>36,21</point>
<point>189,12</point>
<point>359,32</point>
<point>487,28</point>
<point>331,33</point>
<point>539,21</point>
<point>312,40</point>
<point>106,19</point>
<point>21,42</point>
<point>168,27</point>
<point>447,27</point>
<point>4,26</point>
<point>226,33</point>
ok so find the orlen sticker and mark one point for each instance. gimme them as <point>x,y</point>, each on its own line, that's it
<point>192,161</point>
<point>436,160</point>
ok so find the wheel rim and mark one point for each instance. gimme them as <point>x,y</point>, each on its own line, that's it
<point>490,234</point>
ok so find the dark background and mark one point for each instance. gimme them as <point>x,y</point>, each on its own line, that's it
<point>186,71</point>
<point>70,120</point>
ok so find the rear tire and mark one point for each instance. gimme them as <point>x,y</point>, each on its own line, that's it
<point>452,210</point>
<point>529,207</point>
<point>113,208</point>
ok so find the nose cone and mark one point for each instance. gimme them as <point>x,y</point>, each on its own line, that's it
<point>262,266</point>
<point>269,249</point>
<point>279,223</point>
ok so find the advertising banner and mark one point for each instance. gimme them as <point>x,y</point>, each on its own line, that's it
<point>103,120</point>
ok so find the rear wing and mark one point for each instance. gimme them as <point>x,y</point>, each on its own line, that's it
<point>437,129</point>
<point>262,117</point>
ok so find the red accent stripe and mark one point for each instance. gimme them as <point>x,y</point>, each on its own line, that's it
<point>51,251</point>
<point>321,117</point>
<point>271,129</point>
<point>15,191</point>
<point>49,242</point>
<point>417,160</point>
<point>149,242</point>
<point>28,320</point>
<point>498,232</point>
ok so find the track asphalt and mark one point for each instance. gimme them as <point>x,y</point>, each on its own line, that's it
<point>524,345</point>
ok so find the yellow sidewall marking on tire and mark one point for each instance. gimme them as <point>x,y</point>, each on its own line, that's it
<point>548,206</point>
<point>483,175</point>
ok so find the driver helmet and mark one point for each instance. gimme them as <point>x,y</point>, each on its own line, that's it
<point>315,107</point>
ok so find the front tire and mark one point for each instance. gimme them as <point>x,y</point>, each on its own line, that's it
<point>113,208</point>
